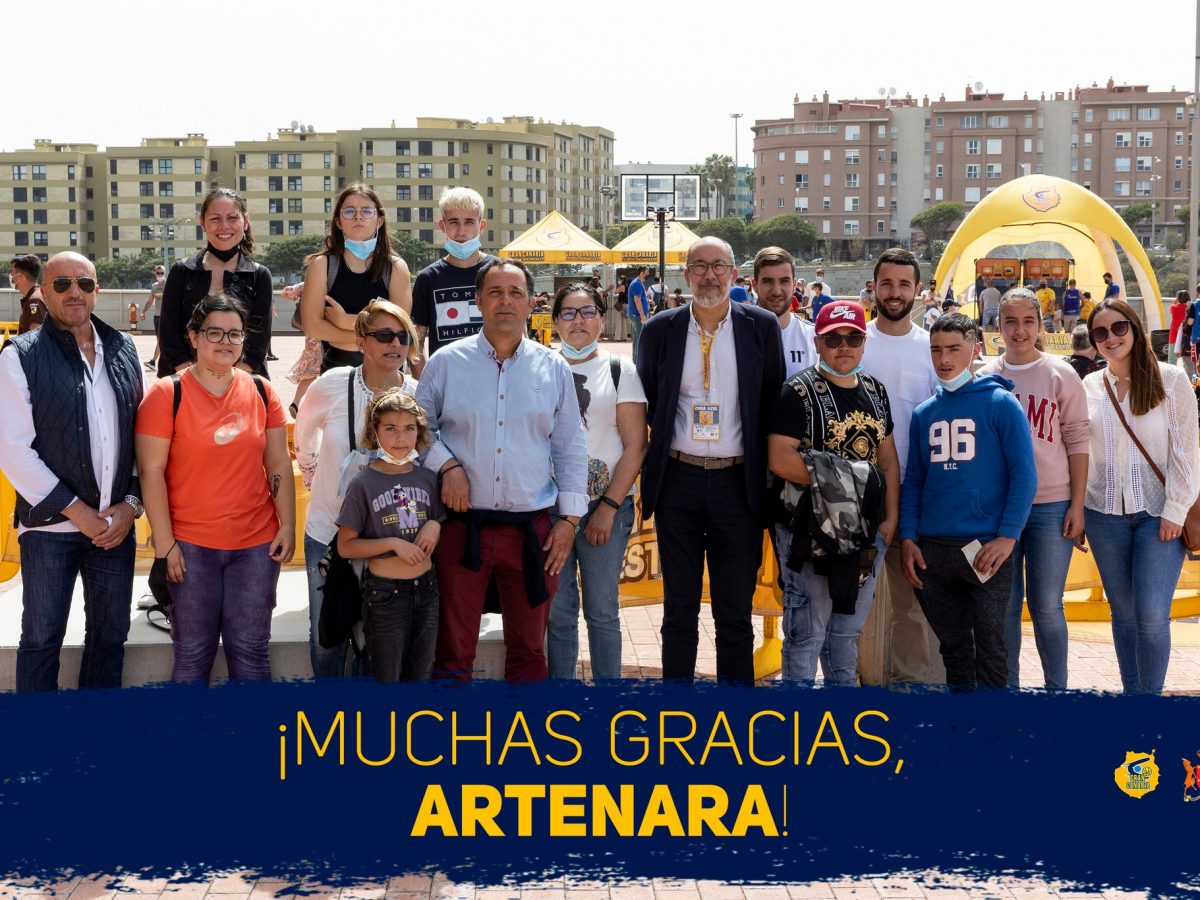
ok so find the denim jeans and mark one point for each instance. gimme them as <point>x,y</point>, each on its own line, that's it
<point>637,324</point>
<point>598,571</point>
<point>50,562</point>
<point>1139,573</point>
<point>327,662</point>
<point>226,596</point>
<point>812,631</point>
<point>400,621</point>
<point>1041,559</point>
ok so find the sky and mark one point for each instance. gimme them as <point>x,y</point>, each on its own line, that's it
<point>665,78</point>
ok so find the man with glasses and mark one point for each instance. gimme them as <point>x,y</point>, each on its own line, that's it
<point>23,272</point>
<point>70,391</point>
<point>156,292</point>
<point>711,371</point>
<point>835,408</point>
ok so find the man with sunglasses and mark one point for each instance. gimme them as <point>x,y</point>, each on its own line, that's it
<point>833,407</point>
<point>711,371</point>
<point>70,391</point>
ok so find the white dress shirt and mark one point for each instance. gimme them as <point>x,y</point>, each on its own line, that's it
<point>722,392</point>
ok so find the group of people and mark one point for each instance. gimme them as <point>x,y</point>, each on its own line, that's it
<point>496,473</point>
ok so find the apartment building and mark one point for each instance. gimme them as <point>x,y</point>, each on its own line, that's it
<point>123,200</point>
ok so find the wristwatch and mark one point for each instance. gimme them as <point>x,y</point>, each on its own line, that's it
<point>136,504</point>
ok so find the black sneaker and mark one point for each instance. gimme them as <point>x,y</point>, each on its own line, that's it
<point>151,365</point>
<point>272,357</point>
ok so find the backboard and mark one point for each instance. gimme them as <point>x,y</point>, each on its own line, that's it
<point>642,192</point>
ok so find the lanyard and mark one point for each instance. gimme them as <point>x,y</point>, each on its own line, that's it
<point>706,342</point>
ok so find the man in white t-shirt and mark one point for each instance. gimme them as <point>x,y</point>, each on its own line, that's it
<point>774,282</point>
<point>897,642</point>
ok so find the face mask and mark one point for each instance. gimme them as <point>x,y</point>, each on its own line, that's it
<point>957,381</point>
<point>386,457</point>
<point>582,353</point>
<point>465,250</point>
<point>361,249</point>
<point>857,370</point>
<point>224,255</point>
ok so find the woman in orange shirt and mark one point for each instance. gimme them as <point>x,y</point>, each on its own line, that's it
<point>217,485</point>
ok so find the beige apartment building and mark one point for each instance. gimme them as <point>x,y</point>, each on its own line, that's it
<point>122,200</point>
<point>859,170</point>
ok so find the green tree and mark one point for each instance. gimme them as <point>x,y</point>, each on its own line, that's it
<point>938,220</point>
<point>416,253</point>
<point>128,271</point>
<point>718,170</point>
<point>787,230</point>
<point>285,257</point>
<point>1136,213</point>
<point>730,229</point>
<point>615,233</point>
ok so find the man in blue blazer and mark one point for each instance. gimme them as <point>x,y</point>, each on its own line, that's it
<point>711,371</point>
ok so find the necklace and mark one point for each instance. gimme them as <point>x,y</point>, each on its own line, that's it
<point>215,374</point>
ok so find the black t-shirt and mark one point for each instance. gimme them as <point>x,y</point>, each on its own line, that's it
<point>444,302</point>
<point>847,422</point>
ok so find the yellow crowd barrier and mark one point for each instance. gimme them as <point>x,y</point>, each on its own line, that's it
<point>9,329</point>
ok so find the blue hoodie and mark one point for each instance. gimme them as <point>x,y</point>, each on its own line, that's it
<point>970,467</point>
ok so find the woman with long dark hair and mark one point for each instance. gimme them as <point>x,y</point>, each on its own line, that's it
<point>357,265</point>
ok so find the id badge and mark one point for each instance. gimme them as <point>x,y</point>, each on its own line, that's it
<point>706,422</point>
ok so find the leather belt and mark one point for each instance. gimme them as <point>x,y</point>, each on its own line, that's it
<point>706,462</point>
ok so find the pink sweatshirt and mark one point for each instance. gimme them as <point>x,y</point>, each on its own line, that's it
<point>1054,401</point>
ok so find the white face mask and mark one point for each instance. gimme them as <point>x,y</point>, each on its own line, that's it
<point>386,457</point>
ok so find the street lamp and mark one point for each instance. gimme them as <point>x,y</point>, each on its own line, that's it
<point>166,231</point>
<point>661,216</point>
<point>735,117</point>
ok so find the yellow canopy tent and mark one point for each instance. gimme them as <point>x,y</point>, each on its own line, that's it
<point>1044,210</point>
<point>556,239</point>
<point>642,245</point>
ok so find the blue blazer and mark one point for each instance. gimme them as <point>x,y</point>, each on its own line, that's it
<point>756,338</point>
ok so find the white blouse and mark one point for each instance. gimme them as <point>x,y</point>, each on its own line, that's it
<point>1119,480</point>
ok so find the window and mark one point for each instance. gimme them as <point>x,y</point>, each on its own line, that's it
<point>851,204</point>
<point>403,192</point>
<point>971,195</point>
<point>275,183</point>
<point>274,160</point>
<point>825,155</point>
<point>112,211</point>
<point>370,170</point>
<point>1178,138</point>
<point>781,179</point>
<point>938,147</point>
<point>465,148</point>
<point>968,121</point>
<point>851,179</point>
<point>295,183</point>
<point>825,226</point>
<point>368,148</point>
<point>20,217</point>
<point>938,171</point>
<point>1089,115</point>
<point>39,217</point>
<point>1087,139</point>
<point>489,170</point>
<point>74,238</point>
<point>425,213</point>
<point>782,155</point>
<point>166,166</point>
<point>1144,163</point>
<point>1119,114</point>
<point>145,166</point>
<point>241,160</point>
<point>275,227</point>
<point>146,189</point>
<point>404,170</point>
<point>41,239</point>
<point>39,172</point>
<point>1121,164</point>
<point>21,238</point>
<point>425,170</point>
<point>166,189</point>
<point>879,226</point>
<point>801,204</point>
<point>1147,113</point>
<point>275,205</point>
<point>994,146</point>
<point>112,189</point>
<point>1087,164</point>
<point>328,205</point>
<point>198,166</point>
<point>973,147</point>
<point>781,203</point>
<point>825,203</point>
<point>879,178</point>
<point>993,170</point>
<point>801,181</point>
<point>852,157</point>
<point>466,169</point>
<point>295,205</point>
<point>802,157</point>
<point>972,170</point>
<point>1124,139</point>
<point>851,227</point>
<point>881,202</point>
<point>426,234</point>
<point>1145,139</point>
<point>1121,188</point>
<point>39,195</point>
<point>1142,188</point>
<point>1178,163</point>
<point>940,122</point>
<point>425,192</point>
<point>403,214</point>
<point>295,227</point>
<point>327,161</point>
<point>997,121</point>
<point>826,180</point>
<point>853,133</point>
<point>327,182</point>
<point>424,148</point>
<point>293,160</point>
<point>166,210</point>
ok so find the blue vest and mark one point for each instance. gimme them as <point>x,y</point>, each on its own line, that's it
<point>55,374</point>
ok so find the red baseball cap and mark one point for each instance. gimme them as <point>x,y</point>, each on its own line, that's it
<point>841,314</point>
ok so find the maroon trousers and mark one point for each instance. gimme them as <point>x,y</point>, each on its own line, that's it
<point>463,593</point>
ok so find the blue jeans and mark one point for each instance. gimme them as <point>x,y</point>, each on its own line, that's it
<point>1041,559</point>
<point>225,596</point>
<point>400,622</point>
<point>327,662</point>
<point>50,562</point>
<point>1139,573</point>
<point>811,629</point>
<point>599,574</point>
<point>637,334</point>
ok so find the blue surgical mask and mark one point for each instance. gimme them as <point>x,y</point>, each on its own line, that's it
<point>386,457</point>
<point>465,250</point>
<point>361,249</point>
<point>582,353</point>
<point>957,381</point>
<point>828,370</point>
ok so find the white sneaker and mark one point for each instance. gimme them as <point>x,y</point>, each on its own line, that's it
<point>146,601</point>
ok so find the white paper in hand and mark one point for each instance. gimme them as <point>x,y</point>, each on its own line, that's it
<point>970,552</point>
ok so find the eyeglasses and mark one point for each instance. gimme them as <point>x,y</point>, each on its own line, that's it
<point>703,268</point>
<point>367,212</point>
<point>217,335</point>
<point>833,341</point>
<point>386,336</point>
<point>568,313</point>
<point>1119,328</point>
<point>63,284</point>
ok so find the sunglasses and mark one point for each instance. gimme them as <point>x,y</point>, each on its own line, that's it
<point>1119,329</point>
<point>568,313</point>
<point>63,284</point>
<point>833,341</point>
<point>386,336</point>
